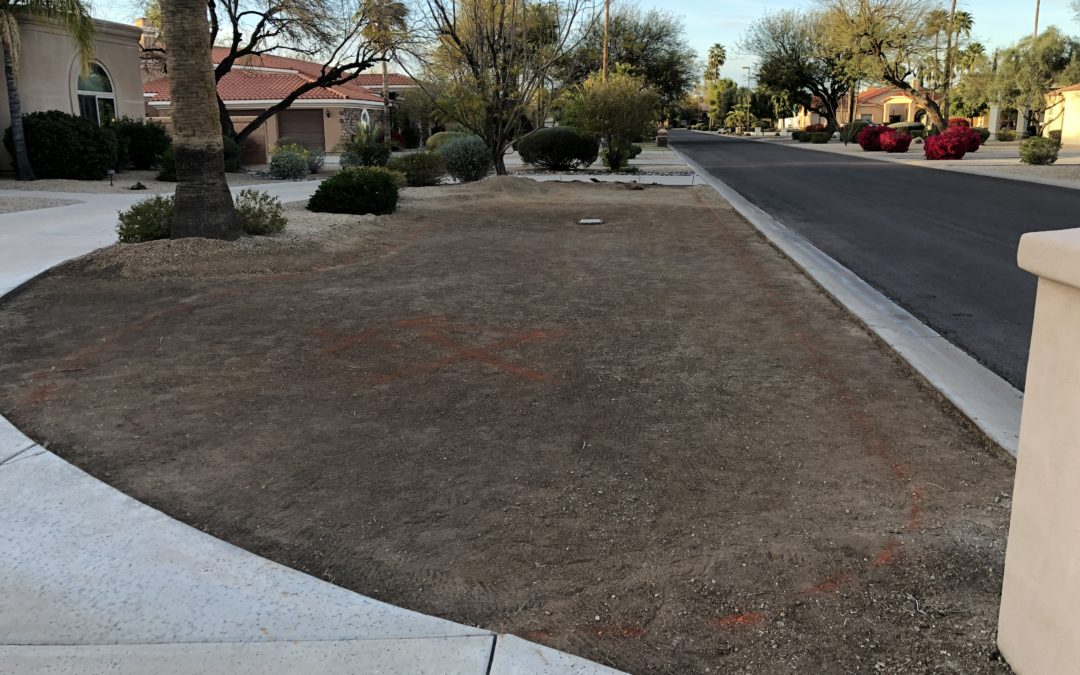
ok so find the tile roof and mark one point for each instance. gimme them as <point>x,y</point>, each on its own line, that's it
<point>1071,87</point>
<point>874,92</point>
<point>249,82</point>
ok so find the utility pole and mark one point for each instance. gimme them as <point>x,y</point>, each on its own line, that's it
<point>607,21</point>
<point>948,60</point>
<point>1036,33</point>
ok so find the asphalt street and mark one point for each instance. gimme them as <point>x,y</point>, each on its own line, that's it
<point>941,244</point>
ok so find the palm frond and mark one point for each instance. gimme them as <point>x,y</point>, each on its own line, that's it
<point>73,15</point>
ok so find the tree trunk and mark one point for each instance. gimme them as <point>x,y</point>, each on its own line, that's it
<point>498,159</point>
<point>22,160</point>
<point>385,102</point>
<point>204,206</point>
<point>227,127</point>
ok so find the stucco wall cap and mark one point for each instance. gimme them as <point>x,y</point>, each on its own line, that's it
<point>1052,255</point>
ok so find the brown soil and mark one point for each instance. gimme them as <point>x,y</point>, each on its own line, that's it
<point>653,443</point>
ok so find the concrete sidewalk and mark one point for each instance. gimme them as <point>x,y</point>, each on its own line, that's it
<point>92,581</point>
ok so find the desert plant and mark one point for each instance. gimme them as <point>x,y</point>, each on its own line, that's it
<point>359,190</point>
<point>1038,150</point>
<point>139,143</point>
<point>260,213</point>
<point>438,140</point>
<point>869,139</point>
<point>849,133</point>
<point>893,141</point>
<point>820,137</point>
<point>618,110</point>
<point>146,220</point>
<point>467,159</point>
<point>1006,135</point>
<point>365,148</point>
<point>420,169</point>
<point>60,145</point>
<point>290,162</point>
<point>558,148</point>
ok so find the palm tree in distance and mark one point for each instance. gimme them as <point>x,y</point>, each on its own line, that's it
<point>74,16</point>
<point>385,29</point>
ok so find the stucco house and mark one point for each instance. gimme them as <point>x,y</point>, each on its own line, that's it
<point>1063,114</point>
<point>319,118</point>
<point>51,76</point>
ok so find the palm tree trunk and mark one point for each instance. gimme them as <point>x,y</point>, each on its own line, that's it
<point>22,160</point>
<point>204,206</point>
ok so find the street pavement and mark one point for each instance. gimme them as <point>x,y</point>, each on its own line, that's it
<point>940,244</point>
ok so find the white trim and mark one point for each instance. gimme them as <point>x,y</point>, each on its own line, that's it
<point>300,103</point>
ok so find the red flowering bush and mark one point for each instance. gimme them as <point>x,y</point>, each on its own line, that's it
<point>959,122</point>
<point>953,143</point>
<point>869,139</point>
<point>816,128</point>
<point>892,140</point>
<point>946,145</point>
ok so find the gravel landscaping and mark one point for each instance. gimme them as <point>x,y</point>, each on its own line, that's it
<point>16,204</point>
<point>652,442</point>
<point>121,183</point>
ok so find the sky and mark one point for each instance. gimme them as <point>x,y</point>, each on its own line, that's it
<point>998,23</point>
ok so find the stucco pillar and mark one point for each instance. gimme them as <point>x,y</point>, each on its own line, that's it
<point>1039,626</point>
<point>995,121</point>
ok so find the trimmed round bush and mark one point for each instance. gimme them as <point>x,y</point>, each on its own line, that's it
<point>893,141</point>
<point>806,137</point>
<point>1006,135</point>
<point>259,212</point>
<point>971,138</point>
<point>467,159</point>
<point>559,148</point>
<point>140,143</point>
<point>984,134</point>
<point>1037,150</point>
<point>437,141</point>
<point>820,137</point>
<point>959,122</point>
<point>66,146</point>
<point>357,190</point>
<point>421,169</point>
<point>290,162</point>
<point>869,138</point>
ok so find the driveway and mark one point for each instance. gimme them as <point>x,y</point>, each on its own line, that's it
<point>940,244</point>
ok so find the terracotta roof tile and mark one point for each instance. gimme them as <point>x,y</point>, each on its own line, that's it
<point>260,85</point>
<point>310,68</point>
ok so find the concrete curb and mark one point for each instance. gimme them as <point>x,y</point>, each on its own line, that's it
<point>93,581</point>
<point>990,402</point>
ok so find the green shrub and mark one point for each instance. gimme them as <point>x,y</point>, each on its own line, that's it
<point>984,134</point>
<point>139,143</point>
<point>796,135</point>
<point>316,158</point>
<point>146,220</point>
<point>820,137</point>
<point>290,162</point>
<point>356,190</point>
<point>437,141</point>
<point>167,166</point>
<point>260,213</point>
<point>1037,150</point>
<point>1055,136</point>
<point>635,150</point>
<point>467,159</point>
<point>66,146</point>
<point>806,137</point>
<point>850,132</point>
<point>232,155</point>
<point>420,169</point>
<point>1006,135</point>
<point>559,148</point>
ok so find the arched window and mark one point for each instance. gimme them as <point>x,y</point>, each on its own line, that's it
<point>97,102</point>
<point>365,119</point>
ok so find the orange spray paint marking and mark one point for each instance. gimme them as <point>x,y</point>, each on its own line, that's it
<point>915,510</point>
<point>40,394</point>
<point>887,554</point>
<point>613,630</point>
<point>831,583</point>
<point>736,620</point>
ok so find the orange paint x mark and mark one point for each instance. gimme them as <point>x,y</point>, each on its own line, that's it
<point>736,620</point>
<point>887,554</point>
<point>830,584</point>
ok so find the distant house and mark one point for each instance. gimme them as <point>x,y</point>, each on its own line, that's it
<point>1063,114</point>
<point>51,76</point>
<point>319,118</point>
<point>881,105</point>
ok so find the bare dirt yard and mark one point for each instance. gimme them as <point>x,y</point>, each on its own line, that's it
<point>121,183</point>
<point>652,442</point>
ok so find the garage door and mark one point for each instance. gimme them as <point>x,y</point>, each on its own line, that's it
<point>305,126</point>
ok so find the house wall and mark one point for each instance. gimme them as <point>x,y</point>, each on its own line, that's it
<point>1064,116</point>
<point>49,68</point>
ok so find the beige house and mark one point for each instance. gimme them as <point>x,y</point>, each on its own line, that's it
<point>51,75</point>
<point>1063,114</point>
